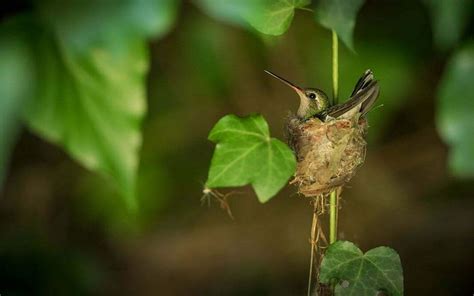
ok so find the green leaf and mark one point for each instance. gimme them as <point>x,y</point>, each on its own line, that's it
<point>361,274</point>
<point>91,101</point>
<point>231,11</point>
<point>449,19</point>
<point>92,61</point>
<point>163,16</point>
<point>17,76</point>
<point>86,22</point>
<point>340,16</point>
<point>455,110</point>
<point>274,16</point>
<point>246,154</point>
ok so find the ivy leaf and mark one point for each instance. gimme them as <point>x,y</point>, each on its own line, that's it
<point>340,16</point>
<point>92,60</point>
<point>231,11</point>
<point>455,110</point>
<point>246,154</point>
<point>272,17</point>
<point>84,22</point>
<point>17,75</point>
<point>155,16</point>
<point>91,102</point>
<point>449,19</point>
<point>361,274</point>
<point>275,16</point>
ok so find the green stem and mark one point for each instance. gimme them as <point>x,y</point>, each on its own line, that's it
<point>335,67</point>
<point>313,238</point>
<point>333,217</point>
<point>335,88</point>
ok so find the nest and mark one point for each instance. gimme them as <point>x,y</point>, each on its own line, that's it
<point>328,153</point>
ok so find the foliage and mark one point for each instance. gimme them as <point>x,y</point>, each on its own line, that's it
<point>81,23</point>
<point>77,72</point>
<point>456,107</point>
<point>275,16</point>
<point>16,77</point>
<point>449,20</point>
<point>246,154</point>
<point>82,47</point>
<point>272,17</point>
<point>235,12</point>
<point>92,103</point>
<point>340,16</point>
<point>92,61</point>
<point>356,273</point>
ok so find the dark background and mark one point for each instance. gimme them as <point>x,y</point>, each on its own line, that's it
<point>64,230</point>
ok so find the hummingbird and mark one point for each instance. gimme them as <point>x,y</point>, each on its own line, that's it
<point>315,103</point>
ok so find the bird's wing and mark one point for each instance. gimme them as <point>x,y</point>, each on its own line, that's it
<point>363,99</point>
<point>363,96</point>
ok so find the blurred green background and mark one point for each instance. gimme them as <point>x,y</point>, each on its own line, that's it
<point>66,230</point>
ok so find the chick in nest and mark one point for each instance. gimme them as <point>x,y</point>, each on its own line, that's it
<point>329,141</point>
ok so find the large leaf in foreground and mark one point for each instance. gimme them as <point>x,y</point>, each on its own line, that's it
<point>340,16</point>
<point>456,109</point>
<point>272,17</point>
<point>84,22</point>
<point>16,84</point>
<point>275,16</point>
<point>356,273</point>
<point>91,102</point>
<point>231,11</point>
<point>246,154</point>
<point>449,20</point>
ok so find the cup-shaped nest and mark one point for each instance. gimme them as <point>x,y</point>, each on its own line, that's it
<point>328,153</point>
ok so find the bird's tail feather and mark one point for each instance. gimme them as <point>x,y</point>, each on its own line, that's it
<point>365,93</point>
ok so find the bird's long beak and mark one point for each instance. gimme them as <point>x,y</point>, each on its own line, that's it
<point>298,89</point>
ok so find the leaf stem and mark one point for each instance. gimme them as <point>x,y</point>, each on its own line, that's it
<point>333,217</point>
<point>313,247</point>
<point>333,200</point>
<point>335,68</point>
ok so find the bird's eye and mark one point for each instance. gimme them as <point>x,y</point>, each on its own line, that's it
<point>312,96</point>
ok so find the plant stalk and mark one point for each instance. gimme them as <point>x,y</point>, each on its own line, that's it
<point>335,68</point>
<point>333,216</point>
<point>313,248</point>
<point>333,200</point>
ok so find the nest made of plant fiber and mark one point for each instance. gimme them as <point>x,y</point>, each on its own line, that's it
<point>328,153</point>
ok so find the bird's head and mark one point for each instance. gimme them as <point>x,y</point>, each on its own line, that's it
<point>312,100</point>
